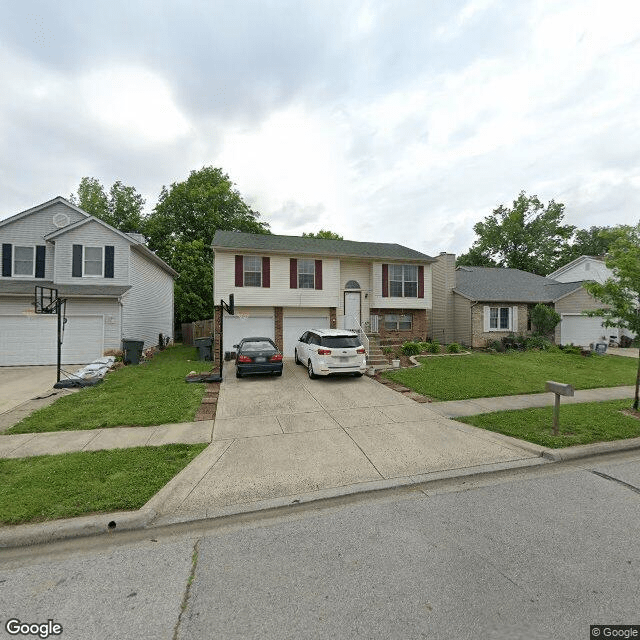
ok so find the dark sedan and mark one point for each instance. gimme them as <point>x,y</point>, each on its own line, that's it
<point>257,355</point>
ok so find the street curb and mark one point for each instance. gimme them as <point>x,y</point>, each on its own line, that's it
<point>586,450</point>
<point>148,516</point>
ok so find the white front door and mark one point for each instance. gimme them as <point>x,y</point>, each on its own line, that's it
<point>351,309</point>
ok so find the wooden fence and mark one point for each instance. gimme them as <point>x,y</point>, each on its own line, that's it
<point>199,329</point>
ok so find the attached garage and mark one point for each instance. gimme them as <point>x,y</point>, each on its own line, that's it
<point>32,339</point>
<point>582,331</point>
<point>294,326</point>
<point>245,325</point>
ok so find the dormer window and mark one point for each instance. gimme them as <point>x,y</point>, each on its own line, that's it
<point>24,261</point>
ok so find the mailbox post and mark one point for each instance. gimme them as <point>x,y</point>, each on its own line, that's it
<point>560,390</point>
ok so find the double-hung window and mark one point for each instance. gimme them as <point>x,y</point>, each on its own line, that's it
<point>398,322</point>
<point>403,281</point>
<point>24,261</point>
<point>500,318</point>
<point>92,262</point>
<point>252,269</point>
<point>306,274</point>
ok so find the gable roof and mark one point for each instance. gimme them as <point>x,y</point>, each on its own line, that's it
<point>44,205</point>
<point>509,285</point>
<point>297,245</point>
<point>574,263</point>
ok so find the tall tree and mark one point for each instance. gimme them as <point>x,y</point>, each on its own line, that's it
<point>621,292</point>
<point>323,233</point>
<point>181,228</point>
<point>92,197</point>
<point>527,236</point>
<point>594,241</point>
<point>121,207</point>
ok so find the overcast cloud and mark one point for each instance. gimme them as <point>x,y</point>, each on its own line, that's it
<point>402,121</point>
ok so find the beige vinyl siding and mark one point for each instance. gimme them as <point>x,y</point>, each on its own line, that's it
<point>361,272</point>
<point>278,294</point>
<point>576,302</point>
<point>92,234</point>
<point>444,280</point>
<point>147,308</point>
<point>378,302</point>
<point>462,320</point>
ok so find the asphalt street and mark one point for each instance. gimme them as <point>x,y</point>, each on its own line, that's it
<point>535,553</point>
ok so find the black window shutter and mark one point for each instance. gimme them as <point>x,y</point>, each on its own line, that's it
<point>76,267</point>
<point>40,254</point>
<point>6,260</point>
<point>109,254</point>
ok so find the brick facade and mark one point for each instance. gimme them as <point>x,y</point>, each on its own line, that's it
<point>278,327</point>
<point>332,317</point>
<point>420,327</point>
<point>217,314</point>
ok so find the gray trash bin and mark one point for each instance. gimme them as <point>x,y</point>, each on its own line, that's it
<point>132,350</point>
<point>204,348</point>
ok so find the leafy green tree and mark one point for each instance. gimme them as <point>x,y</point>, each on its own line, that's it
<point>594,241</point>
<point>92,198</point>
<point>323,233</point>
<point>544,319</point>
<point>621,292</point>
<point>121,208</point>
<point>181,228</point>
<point>475,258</point>
<point>527,236</point>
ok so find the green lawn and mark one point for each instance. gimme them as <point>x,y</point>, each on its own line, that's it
<point>579,423</point>
<point>483,375</point>
<point>75,484</point>
<point>151,393</point>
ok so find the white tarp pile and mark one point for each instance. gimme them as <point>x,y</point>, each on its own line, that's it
<point>93,372</point>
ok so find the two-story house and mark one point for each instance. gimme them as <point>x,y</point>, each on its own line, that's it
<point>114,286</point>
<point>284,285</point>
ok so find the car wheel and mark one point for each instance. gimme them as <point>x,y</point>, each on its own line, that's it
<point>238,374</point>
<point>312,375</point>
<point>278,373</point>
<point>358,374</point>
<point>295,353</point>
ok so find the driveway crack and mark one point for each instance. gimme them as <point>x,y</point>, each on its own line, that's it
<point>187,590</point>
<point>363,452</point>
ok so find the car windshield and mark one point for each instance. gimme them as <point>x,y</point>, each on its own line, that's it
<point>338,342</point>
<point>260,345</point>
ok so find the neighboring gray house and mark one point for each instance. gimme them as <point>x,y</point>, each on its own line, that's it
<point>284,285</point>
<point>114,285</point>
<point>490,303</point>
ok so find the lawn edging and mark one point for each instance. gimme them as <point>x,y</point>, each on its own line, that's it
<point>586,450</point>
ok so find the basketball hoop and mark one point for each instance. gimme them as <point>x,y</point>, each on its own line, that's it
<point>46,301</point>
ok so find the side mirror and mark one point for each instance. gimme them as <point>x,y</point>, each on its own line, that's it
<point>235,346</point>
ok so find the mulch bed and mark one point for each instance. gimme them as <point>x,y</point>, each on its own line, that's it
<point>632,412</point>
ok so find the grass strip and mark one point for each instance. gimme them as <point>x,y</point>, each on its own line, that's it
<point>75,484</point>
<point>582,423</point>
<point>485,375</point>
<point>151,393</point>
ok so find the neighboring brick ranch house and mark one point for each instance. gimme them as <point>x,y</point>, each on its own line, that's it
<point>114,285</point>
<point>284,285</point>
<point>490,303</point>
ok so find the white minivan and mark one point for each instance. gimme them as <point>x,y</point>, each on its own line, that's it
<point>328,351</point>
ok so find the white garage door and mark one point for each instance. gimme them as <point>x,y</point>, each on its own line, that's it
<point>237,327</point>
<point>581,330</point>
<point>32,340</point>
<point>293,327</point>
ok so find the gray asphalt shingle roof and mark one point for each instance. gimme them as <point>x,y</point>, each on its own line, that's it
<point>17,287</point>
<point>315,246</point>
<point>509,285</point>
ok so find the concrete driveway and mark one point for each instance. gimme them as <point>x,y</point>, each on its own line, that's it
<point>19,384</point>
<point>286,436</point>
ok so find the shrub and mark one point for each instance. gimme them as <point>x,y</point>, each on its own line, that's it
<point>544,319</point>
<point>495,345</point>
<point>433,346</point>
<point>387,350</point>
<point>411,348</point>
<point>538,342</point>
<point>571,349</point>
<point>454,347</point>
<point>513,341</point>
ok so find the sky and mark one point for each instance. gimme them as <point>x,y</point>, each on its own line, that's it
<point>401,121</point>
